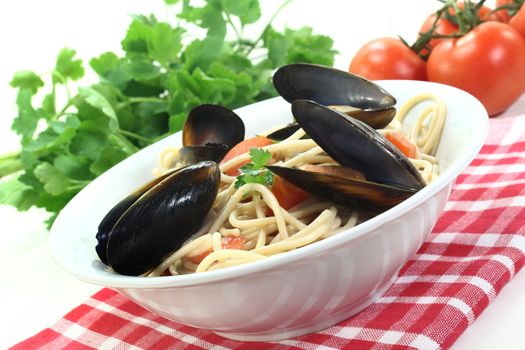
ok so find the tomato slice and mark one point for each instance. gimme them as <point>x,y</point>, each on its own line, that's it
<point>244,147</point>
<point>405,146</point>
<point>228,242</point>
<point>232,242</point>
<point>287,195</point>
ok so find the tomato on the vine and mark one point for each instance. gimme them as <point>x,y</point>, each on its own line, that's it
<point>443,26</point>
<point>518,21</point>
<point>488,62</point>
<point>506,8</point>
<point>515,15</point>
<point>388,58</point>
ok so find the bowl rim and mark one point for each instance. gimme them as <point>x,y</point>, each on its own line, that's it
<point>367,227</point>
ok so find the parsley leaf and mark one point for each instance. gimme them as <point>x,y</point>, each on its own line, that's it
<point>17,194</point>
<point>67,67</point>
<point>27,120</point>
<point>27,80</point>
<point>54,181</point>
<point>255,171</point>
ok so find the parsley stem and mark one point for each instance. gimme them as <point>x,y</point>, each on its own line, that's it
<point>132,100</point>
<point>62,80</point>
<point>135,136</point>
<point>283,5</point>
<point>9,155</point>
<point>77,187</point>
<point>10,163</point>
<point>230,22</point>
<point>53,93</point>
<point>79,182</point>
<point>64,109</point>
<point>146,99</point>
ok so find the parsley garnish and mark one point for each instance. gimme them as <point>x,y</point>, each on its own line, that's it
<point>255,171</point>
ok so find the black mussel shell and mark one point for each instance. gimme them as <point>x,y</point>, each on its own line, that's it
<point>356,145</point>
<point>284,132</point>
<point>210,124</point>
<point>107,223</point>
<point>195,154</point>
<point>377,119</point>
<point>162,218</point>
<point>349,192</point>
<point>334,87</point>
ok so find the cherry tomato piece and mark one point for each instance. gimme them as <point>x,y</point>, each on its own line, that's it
<point>287,195</point>
<point>405,146</point>
<point>227,242</point>
<point>242,148</point>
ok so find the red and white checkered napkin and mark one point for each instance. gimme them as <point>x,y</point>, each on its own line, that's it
<point>476,248</point>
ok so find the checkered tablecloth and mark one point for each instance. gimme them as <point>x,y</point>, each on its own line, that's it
<point>476,247</point>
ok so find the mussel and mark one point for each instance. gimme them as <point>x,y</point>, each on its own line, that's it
<point>389,177</point>
<point>156,219</point>
<point>209,132</point>
<point>284,132</point>
<point>109,220</point>
<point>348,192</point>
<point>343,91</point>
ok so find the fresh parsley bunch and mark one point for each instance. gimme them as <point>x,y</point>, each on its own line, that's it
<point>70,134</point>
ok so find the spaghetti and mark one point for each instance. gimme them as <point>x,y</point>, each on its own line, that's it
<point>248,224</point>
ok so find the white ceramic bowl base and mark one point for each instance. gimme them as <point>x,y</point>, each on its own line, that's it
<point>289,294</point>
<point>307,297</point>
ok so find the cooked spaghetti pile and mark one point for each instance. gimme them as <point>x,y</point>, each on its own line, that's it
<point>247,223</point>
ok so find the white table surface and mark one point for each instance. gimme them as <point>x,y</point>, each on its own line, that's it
<point>35,292</point>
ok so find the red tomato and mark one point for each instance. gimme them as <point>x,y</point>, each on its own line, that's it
<point>287,195</point>
<point>228,242</point>
<point>485,13</point>
<point>518,21</point>
<point>244,147</point>
<point>443,27</point>
<point>488,62</point>
<point>405,146</point>
<point>446,27</point>
<point>504,14</point>
<point>388,58</point>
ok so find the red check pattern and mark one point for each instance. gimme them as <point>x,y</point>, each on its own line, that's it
<point>476,247</point>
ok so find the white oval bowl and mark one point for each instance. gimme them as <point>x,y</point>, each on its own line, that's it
<point>289,294</point>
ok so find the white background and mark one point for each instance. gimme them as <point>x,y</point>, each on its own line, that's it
<point>34,291</point>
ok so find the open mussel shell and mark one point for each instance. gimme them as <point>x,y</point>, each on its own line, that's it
<point>159,218</point>
<point>195,154</point>
<point>349,192</point>
<point>377,119</point>
<point>333,87</point>
<point>208,133</point>
<point>210,124</point>
<point>356,145</point>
